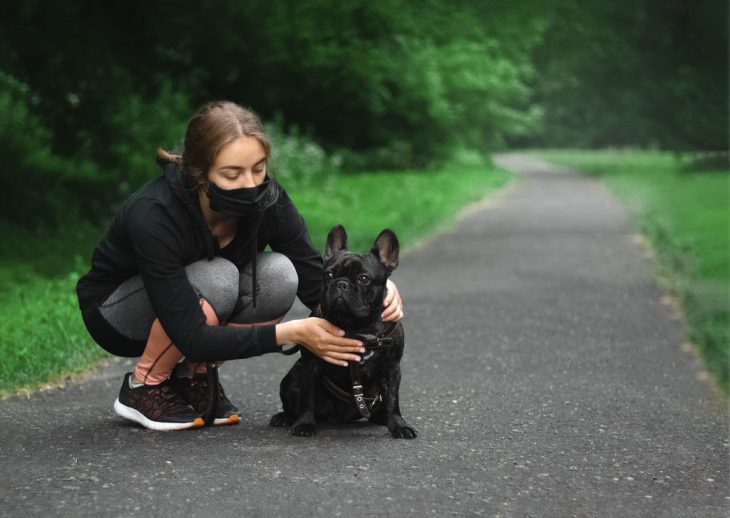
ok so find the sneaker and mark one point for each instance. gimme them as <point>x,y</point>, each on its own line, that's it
<point>157,407</point>
<point>195,391</point>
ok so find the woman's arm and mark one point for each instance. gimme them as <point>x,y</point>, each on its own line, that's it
<point>321,338</point>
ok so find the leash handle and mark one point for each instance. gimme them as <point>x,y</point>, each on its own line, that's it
<point>291,350</point>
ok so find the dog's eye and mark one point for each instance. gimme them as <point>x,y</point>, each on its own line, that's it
<point>328,275</point>
<point>364,279</point>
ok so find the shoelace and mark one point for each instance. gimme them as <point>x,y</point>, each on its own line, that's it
<point>170,396</point>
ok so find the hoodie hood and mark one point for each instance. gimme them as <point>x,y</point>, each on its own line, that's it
<point>173,177</point>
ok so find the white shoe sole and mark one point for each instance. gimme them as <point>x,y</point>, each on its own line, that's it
<point>134,415</point>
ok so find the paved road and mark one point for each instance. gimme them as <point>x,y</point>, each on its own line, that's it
<point>544,375</point>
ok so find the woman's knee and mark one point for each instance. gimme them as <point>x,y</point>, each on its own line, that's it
<point>217,282</point>
<point>276,283</point>
<point>277,275</point>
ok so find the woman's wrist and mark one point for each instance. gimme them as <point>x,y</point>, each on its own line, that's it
<point>287,333</point>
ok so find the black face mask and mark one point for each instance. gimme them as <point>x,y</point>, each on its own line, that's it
<point>237,203</point>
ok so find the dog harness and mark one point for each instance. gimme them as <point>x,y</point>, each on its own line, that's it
<point>366,405</point>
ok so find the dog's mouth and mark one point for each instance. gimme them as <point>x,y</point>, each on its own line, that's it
<point>341,304</point>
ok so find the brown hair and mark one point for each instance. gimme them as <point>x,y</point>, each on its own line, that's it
<point>213,127</point>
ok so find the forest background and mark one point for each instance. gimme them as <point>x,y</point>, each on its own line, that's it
<point>89,90</point>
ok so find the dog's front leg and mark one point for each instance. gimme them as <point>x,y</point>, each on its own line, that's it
<point>397,426</point>
<point>304,426</point>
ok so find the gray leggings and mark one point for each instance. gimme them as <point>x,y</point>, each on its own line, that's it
<point>129,312</point>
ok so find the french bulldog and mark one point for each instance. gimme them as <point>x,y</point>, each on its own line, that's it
<point>353,288</point>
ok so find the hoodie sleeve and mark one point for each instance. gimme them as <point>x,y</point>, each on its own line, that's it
<point>157,249</point>
<point>292,240</point>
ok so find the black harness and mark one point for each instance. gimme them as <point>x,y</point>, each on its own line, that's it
<point>366,405</point>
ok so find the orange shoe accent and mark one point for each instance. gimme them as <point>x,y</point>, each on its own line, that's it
<point>234,419</point>
<point>198,423</point>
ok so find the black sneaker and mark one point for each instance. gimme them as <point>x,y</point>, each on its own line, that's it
<point>195,391</point>
<point>157,407</point>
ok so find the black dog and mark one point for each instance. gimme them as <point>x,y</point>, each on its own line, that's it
<point>313,390</point>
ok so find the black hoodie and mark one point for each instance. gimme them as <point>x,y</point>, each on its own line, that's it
<point>160,229</point>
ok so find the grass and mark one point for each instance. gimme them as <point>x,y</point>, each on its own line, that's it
<point>684,212</point>
<point>42,336</point>
<point>412,203</point>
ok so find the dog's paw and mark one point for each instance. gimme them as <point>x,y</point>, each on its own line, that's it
<point>303,430</point>
<point>280,419</point>
<point>403,432</point>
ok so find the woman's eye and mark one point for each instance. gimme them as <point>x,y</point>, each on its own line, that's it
<point>363,279</point>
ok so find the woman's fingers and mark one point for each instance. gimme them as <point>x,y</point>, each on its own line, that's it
<point>344,356</point>
<point>335,341</point>
<point>393,314</point>
<point>390,292</point>
<point>339,359</point>
<point>333,361</point>
<point>345,345</point>
<point>328,343</point>
<point>329,327</point>
<point>392,304</point>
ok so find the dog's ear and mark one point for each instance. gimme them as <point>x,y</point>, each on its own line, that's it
<point>336,241</point>
<point>386,249</point>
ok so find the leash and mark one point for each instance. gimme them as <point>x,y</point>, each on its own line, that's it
<point>213,394</point>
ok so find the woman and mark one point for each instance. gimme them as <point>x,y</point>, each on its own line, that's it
<point>180,279</point>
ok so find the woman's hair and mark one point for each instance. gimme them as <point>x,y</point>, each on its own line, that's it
<point>213,127</point>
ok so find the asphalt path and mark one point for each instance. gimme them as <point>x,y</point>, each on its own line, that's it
<point>545,371</point>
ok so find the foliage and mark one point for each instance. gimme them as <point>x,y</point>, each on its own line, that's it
<point>391,84</point>
<point>686,218</point>
<point>351,74</point>
<point>297,161</point>
<point>643,72</point>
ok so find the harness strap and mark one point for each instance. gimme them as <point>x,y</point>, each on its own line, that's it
<point>345,396</point>
<point>357,390</point>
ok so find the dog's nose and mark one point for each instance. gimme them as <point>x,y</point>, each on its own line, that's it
<point>341,284</point>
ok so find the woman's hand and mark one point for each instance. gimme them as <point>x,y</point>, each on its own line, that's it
<point>321,338</point>
<point>392,305</point>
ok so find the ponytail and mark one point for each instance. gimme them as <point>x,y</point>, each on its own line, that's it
<point>164,158</point>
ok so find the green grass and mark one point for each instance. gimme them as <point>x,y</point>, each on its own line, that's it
<point>412,203</point>
<point>684,212</point>
<point>42,336</point>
